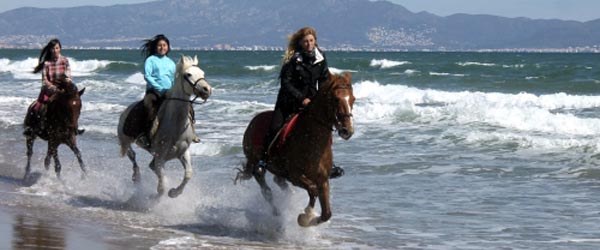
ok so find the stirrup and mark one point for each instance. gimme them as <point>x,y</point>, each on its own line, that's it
<point>260,167</point>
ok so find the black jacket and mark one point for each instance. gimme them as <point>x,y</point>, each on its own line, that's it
<point>301,78</point>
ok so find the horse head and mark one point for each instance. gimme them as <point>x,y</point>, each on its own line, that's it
<point>191,74</point>
<point>339,91</point>
<point>67,102</point>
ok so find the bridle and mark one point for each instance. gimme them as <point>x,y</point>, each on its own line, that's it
<point>341,116</point>
<point>193,84</point>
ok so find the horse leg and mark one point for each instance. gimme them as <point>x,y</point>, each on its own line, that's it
<point>185,161</point>
<point>281,182</point>
<point>136,169</point>
<point>30,140</point>
<point>265,190</point>
<point>308,218</point>
<point>157,166</point>
<point>324,202</point>
<point>77,153</point>
<point>53,152</point>
<point>48,156</point>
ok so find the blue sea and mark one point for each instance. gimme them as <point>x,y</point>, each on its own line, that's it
<point>451,151</point>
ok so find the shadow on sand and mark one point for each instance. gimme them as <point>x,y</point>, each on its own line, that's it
<point>138,202</point>
<point>252,226</point>
<point>30,181</point>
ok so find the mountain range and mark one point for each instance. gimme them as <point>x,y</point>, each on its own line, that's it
<point>265,24</point>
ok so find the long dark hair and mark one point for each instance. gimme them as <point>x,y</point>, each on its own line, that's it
<point>46,54</point>
<point>149,46</point>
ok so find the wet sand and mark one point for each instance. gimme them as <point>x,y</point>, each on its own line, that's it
<point>28,227</point>
<point>24,230</point>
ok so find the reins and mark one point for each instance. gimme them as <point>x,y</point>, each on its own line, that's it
<point>193,84</point>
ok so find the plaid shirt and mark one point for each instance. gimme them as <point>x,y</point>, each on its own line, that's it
<point>55,69</point>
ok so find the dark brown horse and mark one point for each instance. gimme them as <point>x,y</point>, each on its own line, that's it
<point>58,125</point>
<point>305,158</point>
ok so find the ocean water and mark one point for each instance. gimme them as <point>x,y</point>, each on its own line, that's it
<point>451,151</point>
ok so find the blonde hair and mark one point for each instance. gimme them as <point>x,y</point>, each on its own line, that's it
<point>294,42</point>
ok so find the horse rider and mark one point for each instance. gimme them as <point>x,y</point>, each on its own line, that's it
<point>54,68</point>
<point>159,73</point>
<point>303,71</point>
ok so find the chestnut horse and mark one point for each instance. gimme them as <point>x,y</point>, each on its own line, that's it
<point>305,158</point>
<point>59,126</point>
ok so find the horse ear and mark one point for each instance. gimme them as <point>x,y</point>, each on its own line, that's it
<point>347,76</point>
<point>81,92</point>
<point>196,60</point>
<point>182,59</point>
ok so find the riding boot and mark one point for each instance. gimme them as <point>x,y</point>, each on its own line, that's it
<point>144,140</point>
<point>336,172</point>
<point>28,131</point>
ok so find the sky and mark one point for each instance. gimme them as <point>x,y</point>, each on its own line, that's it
<point>578,10</point>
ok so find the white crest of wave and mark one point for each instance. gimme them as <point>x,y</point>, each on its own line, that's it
<point>385,63</point>
<point>86,67</point>
<point>340,71</point>
<point>261,67</point>
<point>476,64</point>
<point>445,74</point>
<point>22,69</point>
<point>526,112</point>
<point>137,78</point>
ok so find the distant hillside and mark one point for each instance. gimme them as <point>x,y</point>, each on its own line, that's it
<point>357,24</point>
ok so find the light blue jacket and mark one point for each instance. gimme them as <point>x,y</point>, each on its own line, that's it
<point>159,73</point>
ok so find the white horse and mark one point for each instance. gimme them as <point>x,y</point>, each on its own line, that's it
<point>174,133</point>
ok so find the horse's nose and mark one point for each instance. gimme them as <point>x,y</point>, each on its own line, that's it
<point>345,133</point>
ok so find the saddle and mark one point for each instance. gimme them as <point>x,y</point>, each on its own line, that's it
<point>279,138</point>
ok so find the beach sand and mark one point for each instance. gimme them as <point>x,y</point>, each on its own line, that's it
<point>23,226</point>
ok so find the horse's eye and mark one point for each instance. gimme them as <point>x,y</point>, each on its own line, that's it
<point>188,74</point>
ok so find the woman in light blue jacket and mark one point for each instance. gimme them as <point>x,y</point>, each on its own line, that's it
<point>159,73</point>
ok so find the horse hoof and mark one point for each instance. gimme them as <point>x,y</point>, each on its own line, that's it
<point>174,193</point>
<point>307,220</point>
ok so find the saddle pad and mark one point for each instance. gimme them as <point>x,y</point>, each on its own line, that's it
<point>286,129</point>
<point>135,123</point>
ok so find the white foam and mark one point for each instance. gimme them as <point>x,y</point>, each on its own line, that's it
<point>445,74</point>
<point>521,112</point>
<point>385,63</point>
<point>137,78</point>
<point>476,64</point>
<point>261,67</point>
<point>22,69</point>
<point>339,71</point>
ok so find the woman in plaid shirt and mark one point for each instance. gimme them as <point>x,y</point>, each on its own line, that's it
<point>54,67</point>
